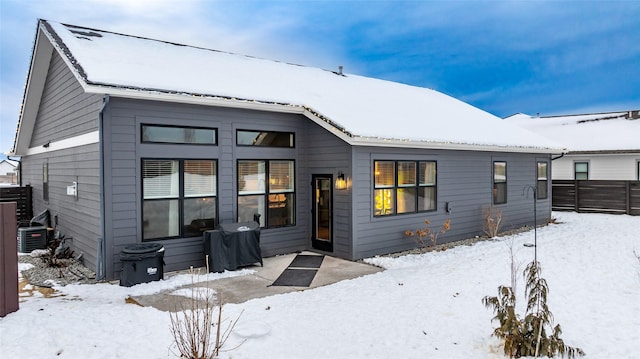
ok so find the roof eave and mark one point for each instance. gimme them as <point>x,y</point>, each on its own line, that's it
<point>40,59</point>
<point>318,118</point>
<point>382,142</point>
<point>190,98</point>
<point>221,101</point>
<point>602,152</point>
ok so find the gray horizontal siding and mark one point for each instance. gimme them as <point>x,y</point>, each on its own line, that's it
<point>78,219</point>
<point>123,183</point>
<point>65,110</point>
<point>327,154</point>
<point>464,179</point>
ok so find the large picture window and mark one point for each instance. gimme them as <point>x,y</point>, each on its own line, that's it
<point>404,187</point>
<point>499,182</point>
<point>179,197</point>
<point>267,188</point>
<point>542,181</point>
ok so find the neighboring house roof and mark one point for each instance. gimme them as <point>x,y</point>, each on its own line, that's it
<point>360,110</point>
<point>595,132</point>
<point>7,163</point>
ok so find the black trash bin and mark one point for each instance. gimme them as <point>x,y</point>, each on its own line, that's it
<point>141,263</point>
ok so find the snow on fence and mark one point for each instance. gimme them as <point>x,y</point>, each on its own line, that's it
<point>621,197</point>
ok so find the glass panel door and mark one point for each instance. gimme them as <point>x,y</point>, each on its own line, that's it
<point>322,212</point>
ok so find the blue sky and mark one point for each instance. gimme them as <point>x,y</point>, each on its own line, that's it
<point>505,57</point>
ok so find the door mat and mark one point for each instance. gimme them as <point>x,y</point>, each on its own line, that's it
<point>295,278</point>
<point>306,261</point>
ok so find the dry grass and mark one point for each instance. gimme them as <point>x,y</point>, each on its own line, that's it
<point>492,221</point>
<point>425,237</point>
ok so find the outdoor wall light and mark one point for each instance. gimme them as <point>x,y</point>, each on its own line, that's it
<point>341,183</point>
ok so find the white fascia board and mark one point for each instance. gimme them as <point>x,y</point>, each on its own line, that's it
<point>382,142</point>
<point>340,133</point>
<point>76,141</point>
<point>43,50</point>
<point>186,98</point>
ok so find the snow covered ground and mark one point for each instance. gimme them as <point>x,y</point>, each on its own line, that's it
<point>422,306</point>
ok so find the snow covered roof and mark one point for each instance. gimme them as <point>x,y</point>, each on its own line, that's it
<point>360,110</point>
<point>596,132</point>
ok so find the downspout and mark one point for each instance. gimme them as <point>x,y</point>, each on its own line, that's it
<point>100,257</point>
<point>553,159</point>
<point>19,169</point>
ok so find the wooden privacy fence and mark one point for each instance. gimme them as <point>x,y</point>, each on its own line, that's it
<point>22,196</point>
<point>596,196</point>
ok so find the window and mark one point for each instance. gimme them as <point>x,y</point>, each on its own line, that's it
<point>404,187</point>
<point>542,181</point>
<point>45,182</point>
<point>174,134</point>
<point>499,182</point>
<point>581,171</point>
<point>264,139</point>
<point>638,168</point>
<point>179,197</point>
<point>267,188</point>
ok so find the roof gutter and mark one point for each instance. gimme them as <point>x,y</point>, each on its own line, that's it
<point>19,168</point>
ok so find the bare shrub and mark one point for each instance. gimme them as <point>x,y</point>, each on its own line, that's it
<point>515,265</point>
<point>192,323</point>
<point>492,221</point>
<point>534,334</point>
<point>425,237</point>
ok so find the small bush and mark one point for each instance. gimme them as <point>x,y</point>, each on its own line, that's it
<point>533,335</point>
<point>425,237</point>
<point>492,221</point>
<point>191,325</point>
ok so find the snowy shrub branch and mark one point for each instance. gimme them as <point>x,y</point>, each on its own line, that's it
<point>533,335</point>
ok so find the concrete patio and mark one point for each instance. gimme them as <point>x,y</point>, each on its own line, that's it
<point>259,284</point>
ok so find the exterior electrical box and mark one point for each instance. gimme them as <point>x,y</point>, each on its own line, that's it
<point>31,238</point>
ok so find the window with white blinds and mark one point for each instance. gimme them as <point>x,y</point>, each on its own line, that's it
<point>199,178</point>
<point>385,172</point>
<point>160,179</point>
<point>267,189</point>
<point>179,197</point>
<point>251,177</point>
<point>280,176</point>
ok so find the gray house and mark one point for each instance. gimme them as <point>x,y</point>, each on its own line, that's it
<point>128,140</point>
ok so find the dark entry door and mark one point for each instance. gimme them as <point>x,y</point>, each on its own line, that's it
<point>322,212</point>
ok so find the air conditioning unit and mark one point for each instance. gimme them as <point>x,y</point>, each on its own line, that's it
<point>31,238</point>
